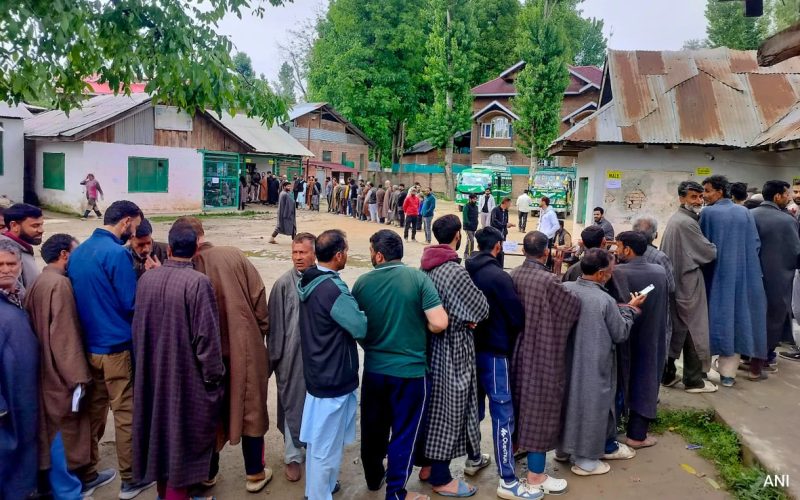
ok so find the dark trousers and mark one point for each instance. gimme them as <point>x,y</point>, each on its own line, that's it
<point>419,222</point>
<point>692,366</point>
<point>401,217</point>
<point>396,406</point>
<point>523,221</point>
<point>637,426</point>
<point>411,222</point>
<point>253,453</point>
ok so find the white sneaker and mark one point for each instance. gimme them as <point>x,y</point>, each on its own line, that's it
<point>551,486</point>
<point>473,467</point>
<point>624,452</point>
<point>518,490</point>
<point>708,386</point>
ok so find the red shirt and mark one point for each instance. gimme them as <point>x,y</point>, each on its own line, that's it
<point>411,205</point>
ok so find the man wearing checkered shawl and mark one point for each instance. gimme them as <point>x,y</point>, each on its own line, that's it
<point>453,425</point>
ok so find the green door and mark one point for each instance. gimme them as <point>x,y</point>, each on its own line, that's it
<point>220,180</point>
<point>583,193</point>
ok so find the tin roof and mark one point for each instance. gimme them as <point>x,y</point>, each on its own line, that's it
<point>581,79</point>
<point>263,139</point>
<point>304,108</point>
<point>94,113</point>
<point>717,97</point>
<point>9,111</point>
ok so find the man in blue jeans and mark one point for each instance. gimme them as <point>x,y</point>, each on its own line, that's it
<point>494,341</point>
<point>426,212</point>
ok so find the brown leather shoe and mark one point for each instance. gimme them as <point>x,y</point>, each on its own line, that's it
<point>293,472</point>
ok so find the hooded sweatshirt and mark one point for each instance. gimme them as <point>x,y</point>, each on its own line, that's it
<point>330,324</point>
<point>434,256</point>
<point>497,333</point>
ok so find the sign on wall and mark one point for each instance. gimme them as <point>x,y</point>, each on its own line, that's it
<point>613,179</point>
<point>703,171</point>
<point>171,118</point>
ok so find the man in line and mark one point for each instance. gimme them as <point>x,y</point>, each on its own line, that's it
<point>179,371</point>
<point>538,367</point>
<point>19,383</point>
<point>589,433</point>
<point>93,189</point>
<point>147,254</point>
<point>242,301</point>
<point>486,204</point>
<point>737,303</point>
<point>779,254</point>
<point>401,198</point>
<point>63,427</point>
<point>647,344</point>
<point>548,220</point>
<point>524,209</point>
<point>391,214</point>
<point>411,211</point>
<point>273,189</point>
<point>599,220</point>
<point>352,194</point>
<point>284,352</point>
<point>380,197</point>
<point>105,308</point>
<point>361,192</point>
<point>499,221</point>
<point>372,200</point>
<point>287,223</point>
<point>330,324</point>
<point>452,428</point>
<point>470,220</point>
<point>426,212</point>
<point>386,217</point>
<point>401,305</point>
<point>688,250</point>
<point>494,344</point>
<point>24,228</point>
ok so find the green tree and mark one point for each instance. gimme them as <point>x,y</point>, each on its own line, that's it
<point>695,44</point>
<point>784,13</point>
<point>449,68</point>
<point>728,27</point>
<point>540,85</point>
<point>497,23</point>
<point>368,62</point>
<point>244,65</point>
<point>50,48</point>
<point>284,86</point>
<point>588,44</point>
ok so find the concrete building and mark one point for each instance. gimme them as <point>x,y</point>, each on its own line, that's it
<point>12,150</point>
<point>665,117</point>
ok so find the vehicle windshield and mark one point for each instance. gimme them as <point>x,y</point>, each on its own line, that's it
<point>550,181</point>
<point>475,179</point>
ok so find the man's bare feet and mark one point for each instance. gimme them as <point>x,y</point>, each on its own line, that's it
<point>293,472</point>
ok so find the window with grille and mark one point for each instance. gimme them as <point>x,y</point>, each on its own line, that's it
<point>148,175</point>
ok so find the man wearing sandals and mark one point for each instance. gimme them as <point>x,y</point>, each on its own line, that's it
<point>589,433</point>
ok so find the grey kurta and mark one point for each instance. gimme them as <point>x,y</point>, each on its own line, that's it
<point>285,355</point>
<point>589,410</point>
<point>780,250</point>
<point>683,242</point>
<point>286,214</point>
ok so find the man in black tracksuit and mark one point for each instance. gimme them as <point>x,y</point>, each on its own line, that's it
<point>330,324</point>
<point>469,220</point>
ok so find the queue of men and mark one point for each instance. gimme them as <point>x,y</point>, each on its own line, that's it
<point>180,348</point>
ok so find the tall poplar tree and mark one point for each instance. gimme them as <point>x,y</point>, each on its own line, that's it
<point>449,67</point>
<point>728,26</point>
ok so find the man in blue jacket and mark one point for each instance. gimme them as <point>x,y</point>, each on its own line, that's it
<point>104,281</point>
<point>330,324</point>
<point>426,212</point>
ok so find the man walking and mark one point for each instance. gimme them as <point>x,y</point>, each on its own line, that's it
<point>426,212</point>
<point>179,371</point>
<point>104,281</point>
<point>147,254</point>
<point>494,342</point>
<point>287,223</point>
<point>538,365</point>
<point>688,250</point>
<point>779,254</point>
<point>486,204</point>
<point>452,428</point>
<point>737,303</point>
<point>470,220</point>
<point>64,427</point>
<point>93,189</point>
<point>242,301</point>
<point>524,209</point>
<point>284,352</point>
<point>24,228</point>
<point>330,324</point>
<point>548,220</point>
<point>401,305</point>
<point>411,211</point>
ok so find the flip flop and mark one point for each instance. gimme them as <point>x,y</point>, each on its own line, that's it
<point>647,443</point>
<point>464,491</point>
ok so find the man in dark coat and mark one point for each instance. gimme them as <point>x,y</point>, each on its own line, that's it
<point>538,366</point>
<point>287,223</point>
<point>146,253</point>
<point>179,371</point>
<point>779,254</point>
<point>19,383</point>
<point>499,221</point>
<point>469,217</point>
<point>647,344</point>
<point>273,188</point>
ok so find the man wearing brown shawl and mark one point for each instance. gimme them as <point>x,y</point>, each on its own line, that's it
<point>242,302</point>
<point>538,365</point>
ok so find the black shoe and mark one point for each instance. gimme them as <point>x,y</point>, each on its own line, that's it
<point>381,484</point>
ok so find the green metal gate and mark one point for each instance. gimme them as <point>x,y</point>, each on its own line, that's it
<point>221,180</point>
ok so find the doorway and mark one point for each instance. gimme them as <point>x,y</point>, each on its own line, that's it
<point>583,193</point>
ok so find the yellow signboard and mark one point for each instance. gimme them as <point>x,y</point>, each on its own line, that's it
<point>614,174</point>
<point>703,171</point>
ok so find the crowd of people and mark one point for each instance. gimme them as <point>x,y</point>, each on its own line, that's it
<point>179,339</point>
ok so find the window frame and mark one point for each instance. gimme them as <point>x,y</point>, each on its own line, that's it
<point>329,155</point>
<point>63,174</point>
<point>501,128</point>
<point>135,188</point>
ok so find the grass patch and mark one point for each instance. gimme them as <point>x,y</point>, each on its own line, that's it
<point>207,215</point>
<point>721,446</point>
<point>61,209</point>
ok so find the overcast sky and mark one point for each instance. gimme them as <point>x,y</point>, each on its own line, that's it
<point>644,24</point>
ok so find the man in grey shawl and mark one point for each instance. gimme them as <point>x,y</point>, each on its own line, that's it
<point>683,242</point>
<point>285,356</point>
<point>779,254</point>
<point>453,425</point>
<point>287,223</point>
<point>589,432</point>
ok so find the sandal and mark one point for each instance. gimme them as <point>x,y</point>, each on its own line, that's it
<point>647,443</point>
<point>464,490</point>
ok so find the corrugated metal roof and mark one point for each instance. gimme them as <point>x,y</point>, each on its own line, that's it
<point>95,111</point>
<point>7,111</point>
<point>274,140</point>
<point>705,97</point>
<point>307,107</point>
<point>304,108</point>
